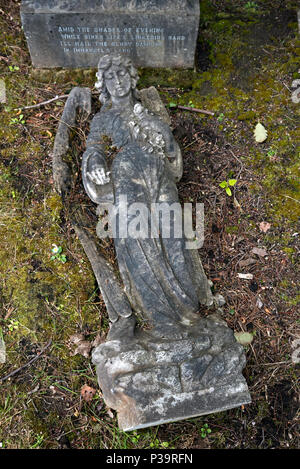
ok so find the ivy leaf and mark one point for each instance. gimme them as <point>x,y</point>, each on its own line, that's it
<point>260,133</point>
<point>228,191</point>
<point>232,182</point>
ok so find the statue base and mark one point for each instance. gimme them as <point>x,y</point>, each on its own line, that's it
<point>153,381</point>
<point>182,406</point>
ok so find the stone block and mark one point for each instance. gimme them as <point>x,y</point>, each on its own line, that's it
<point>75,33</point>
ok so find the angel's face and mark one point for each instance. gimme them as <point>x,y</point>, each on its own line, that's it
<point>118,81</point>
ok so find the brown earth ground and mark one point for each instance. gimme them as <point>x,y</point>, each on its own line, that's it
<point>246,62</point>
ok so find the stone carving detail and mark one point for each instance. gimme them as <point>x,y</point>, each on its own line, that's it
<point>74,33</point>
<point>181,365</point>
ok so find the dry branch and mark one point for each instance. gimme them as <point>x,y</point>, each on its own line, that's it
<point>26,364</point>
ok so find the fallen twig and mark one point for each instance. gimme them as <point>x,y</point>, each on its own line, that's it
<point>63,96</point>
<point>289,197</point>
<point>194,109</point>
<point>43,103</point>
<point>192,143</point>
<point>27,364</point>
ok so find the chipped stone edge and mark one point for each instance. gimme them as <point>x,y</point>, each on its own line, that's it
<point>245,399</point>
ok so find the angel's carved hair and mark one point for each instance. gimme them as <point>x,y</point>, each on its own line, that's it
<point>104,64</point>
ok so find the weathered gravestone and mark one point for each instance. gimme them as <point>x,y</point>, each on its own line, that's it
<point>182,364</point>
<point>75,33</point>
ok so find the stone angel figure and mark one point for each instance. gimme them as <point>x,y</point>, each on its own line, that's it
<point>164,282</point>
<point>180,364</point>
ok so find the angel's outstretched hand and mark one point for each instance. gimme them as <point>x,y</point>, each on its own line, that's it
<point>98,175</point>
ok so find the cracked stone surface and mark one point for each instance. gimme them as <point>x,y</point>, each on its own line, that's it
<point>151,382</point>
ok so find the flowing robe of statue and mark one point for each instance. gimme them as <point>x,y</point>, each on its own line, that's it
<point>164,281</point>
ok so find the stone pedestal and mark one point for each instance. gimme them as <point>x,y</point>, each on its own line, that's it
<point>153,381</point>
<point>75,33</point>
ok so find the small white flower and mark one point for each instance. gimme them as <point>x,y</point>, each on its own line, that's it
<point>159,139</point>
<point>138,109</point>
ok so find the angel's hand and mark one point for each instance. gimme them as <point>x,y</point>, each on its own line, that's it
<point>98,175</point>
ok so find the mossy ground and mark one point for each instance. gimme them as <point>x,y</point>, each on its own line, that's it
<point>246,63</point>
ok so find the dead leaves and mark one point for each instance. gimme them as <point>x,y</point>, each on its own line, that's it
<point>259,252</point>
<point>246,262</point>
<point>87,393</point>
<point>109,413</point>
<point>76,338</point>
<point>264,226</point>
<point>99,339</point>
<point>83,347</point>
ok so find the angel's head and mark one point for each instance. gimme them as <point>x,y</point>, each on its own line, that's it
<point>117,77</point>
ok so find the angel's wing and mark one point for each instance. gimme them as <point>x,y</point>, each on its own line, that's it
<point>115,299</point>
<point>79,99</point>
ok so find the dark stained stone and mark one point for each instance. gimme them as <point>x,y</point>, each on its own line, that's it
<point>75,33</point>
<point>193,370</point>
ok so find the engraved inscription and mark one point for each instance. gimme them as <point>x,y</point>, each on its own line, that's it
<point>100,40</point>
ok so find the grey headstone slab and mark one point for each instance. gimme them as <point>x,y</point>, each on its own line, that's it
<point>75,33</point>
